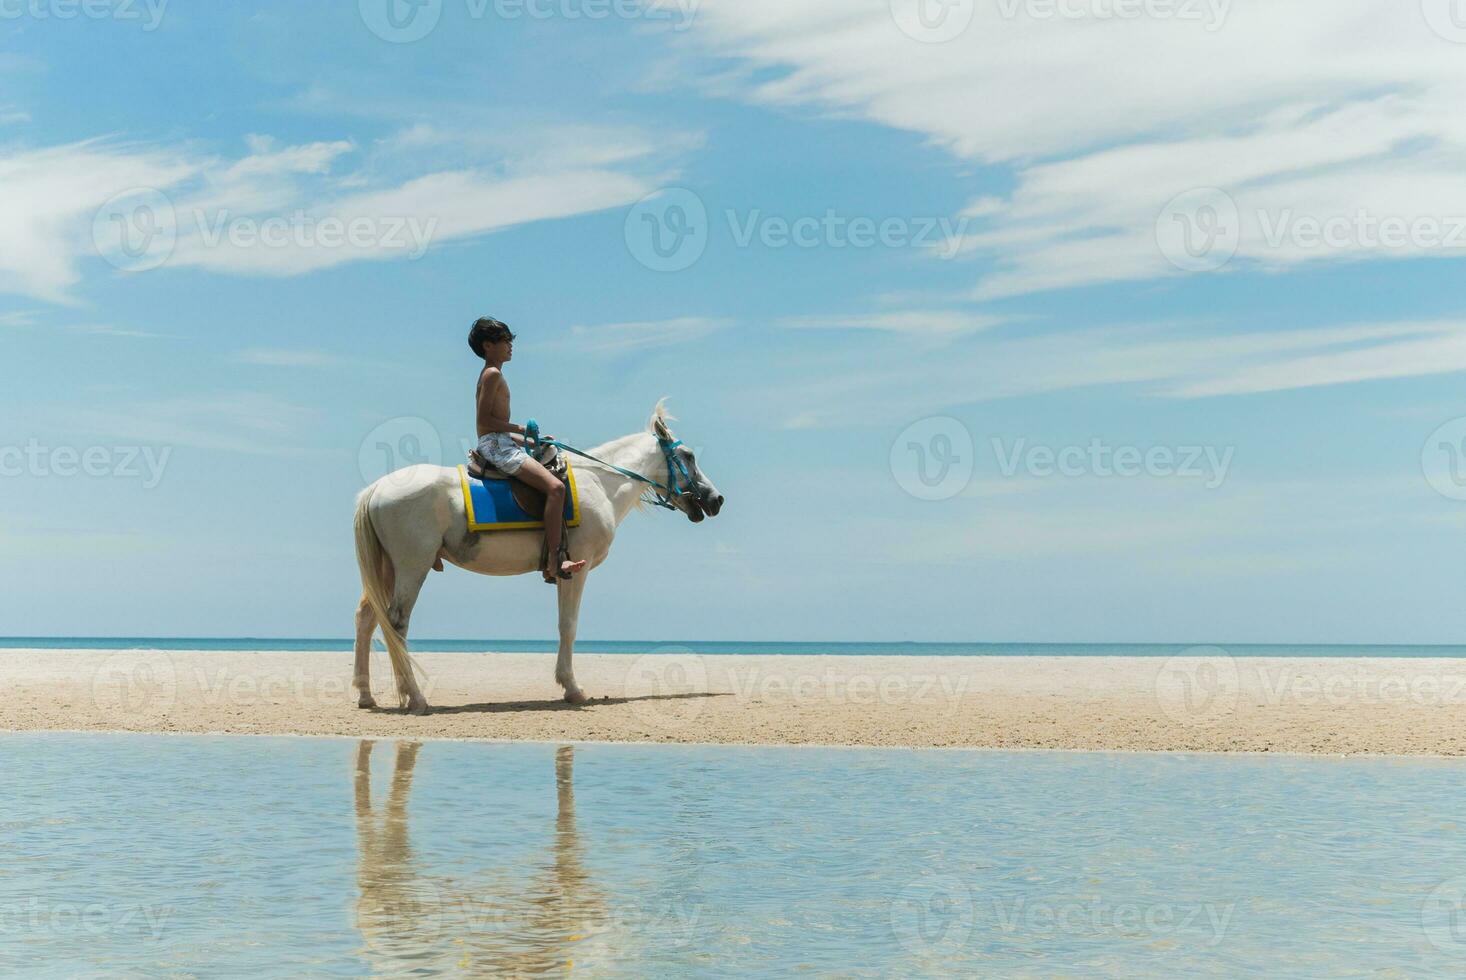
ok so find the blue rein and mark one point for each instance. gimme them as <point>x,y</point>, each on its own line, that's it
<point>679,481</point>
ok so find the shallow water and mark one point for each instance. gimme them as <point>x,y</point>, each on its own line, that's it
<point>194,856</point>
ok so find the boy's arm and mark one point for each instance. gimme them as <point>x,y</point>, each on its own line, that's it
<point>489,387</point>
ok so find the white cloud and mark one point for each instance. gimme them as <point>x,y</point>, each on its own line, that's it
<point>1314,108</point>
<point>277,210</point>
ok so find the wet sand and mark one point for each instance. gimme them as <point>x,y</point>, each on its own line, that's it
<point>1216,704</point>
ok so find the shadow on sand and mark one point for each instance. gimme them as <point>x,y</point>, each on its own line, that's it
<point>505,707</point>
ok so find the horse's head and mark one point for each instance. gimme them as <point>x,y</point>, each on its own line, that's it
<point>691,490</point>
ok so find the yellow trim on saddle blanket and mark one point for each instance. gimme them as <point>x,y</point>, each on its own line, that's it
<point>474,525</point>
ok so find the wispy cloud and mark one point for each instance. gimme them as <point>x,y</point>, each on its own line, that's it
<point>1308,111</point>
<point>1153,360</point>
<point>615,338</point>
<point>278,210</point>
<point>236,422</point>
<point>104,330</point>
<point>280,357</point>
<point>936,323</point>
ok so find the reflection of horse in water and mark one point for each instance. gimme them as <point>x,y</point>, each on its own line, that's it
<point>490,922</point>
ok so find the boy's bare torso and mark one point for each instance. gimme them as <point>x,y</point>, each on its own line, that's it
<point>493,401</point>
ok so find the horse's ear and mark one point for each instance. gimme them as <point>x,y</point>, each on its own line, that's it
<point>658,424</point>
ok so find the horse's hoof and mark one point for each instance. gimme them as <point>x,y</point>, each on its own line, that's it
<point>576,696</point>
<point>418,708</point>
<point>366,701</point>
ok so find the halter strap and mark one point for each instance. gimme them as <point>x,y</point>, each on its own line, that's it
<point>661,499</point>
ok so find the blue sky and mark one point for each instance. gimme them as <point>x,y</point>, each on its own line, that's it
<point>1032,175</point>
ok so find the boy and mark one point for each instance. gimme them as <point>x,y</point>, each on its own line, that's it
<point>500,440</point>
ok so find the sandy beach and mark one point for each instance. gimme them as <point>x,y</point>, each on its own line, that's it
<point>1212,704</point>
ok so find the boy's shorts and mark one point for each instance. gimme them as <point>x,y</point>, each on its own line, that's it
<point>500,449</point>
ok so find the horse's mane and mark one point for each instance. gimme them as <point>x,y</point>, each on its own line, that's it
<point>615,450</point>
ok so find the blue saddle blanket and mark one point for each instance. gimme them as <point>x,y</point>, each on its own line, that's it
<point>491,505</point>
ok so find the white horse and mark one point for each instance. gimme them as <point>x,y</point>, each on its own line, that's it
<point>409,521</point>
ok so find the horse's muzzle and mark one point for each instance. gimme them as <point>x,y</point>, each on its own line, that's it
<point>713,505</point>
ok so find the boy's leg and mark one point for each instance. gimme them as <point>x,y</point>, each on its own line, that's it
<point>537,476</point>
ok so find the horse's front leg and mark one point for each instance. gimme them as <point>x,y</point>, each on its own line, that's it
<point>570,592</point>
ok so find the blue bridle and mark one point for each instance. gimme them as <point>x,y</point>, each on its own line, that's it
<point>679,480</point>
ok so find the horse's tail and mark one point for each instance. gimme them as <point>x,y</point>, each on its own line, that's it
<point>376,570</point>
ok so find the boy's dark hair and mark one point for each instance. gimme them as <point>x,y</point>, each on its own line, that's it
<point>487,330</point>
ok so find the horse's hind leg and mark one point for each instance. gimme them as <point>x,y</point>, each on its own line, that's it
<point>408,585</point>
<point>366,624</point>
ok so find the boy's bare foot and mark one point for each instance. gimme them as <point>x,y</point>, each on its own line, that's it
<point>567,569</point>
